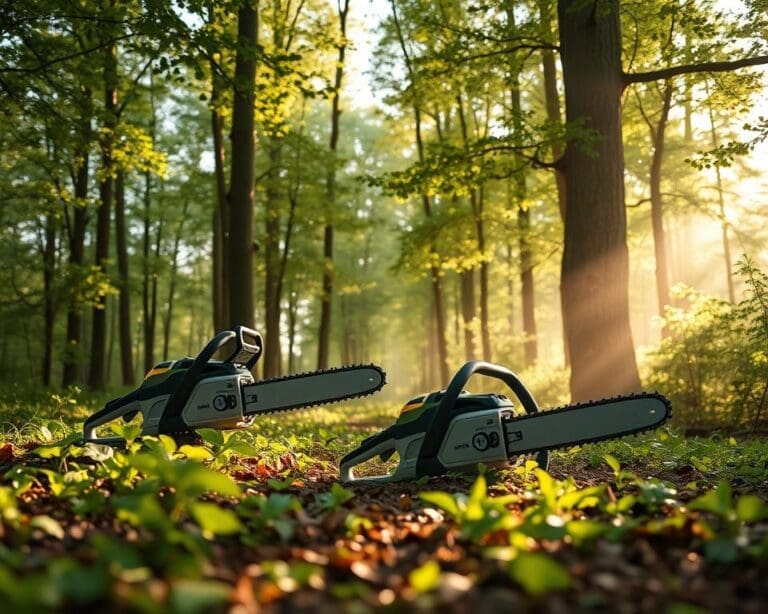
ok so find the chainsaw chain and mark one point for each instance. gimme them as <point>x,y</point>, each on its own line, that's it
<point>293,376</point>
<point>577,406</point>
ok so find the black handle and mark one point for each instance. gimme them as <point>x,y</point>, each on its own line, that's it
<point>171,418</point>
<point>444,414</point>
<point>246,353</point>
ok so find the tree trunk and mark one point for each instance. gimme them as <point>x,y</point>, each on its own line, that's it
<point>527,292</point>
<point>595,272</point>
<point>323,345</point>
<point>723,220</point>
<point>149,281</point>
<point>477,216</point>
<point>468,312</point>
<point>657,210</point>
<point>99,321</point>
<point>49,303</point>
<point>167,320</point>
<point>124,307</point>
<point>272,282</point>
<point>220,253</point>
<point>293,305</point>
<point>76,238</point>
<point>220,230</point>
<point>434,268</point>
<point>241,246</point>
<point>552,104</point>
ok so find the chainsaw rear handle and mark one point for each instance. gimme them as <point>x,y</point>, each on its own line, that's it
<point>428,462</point>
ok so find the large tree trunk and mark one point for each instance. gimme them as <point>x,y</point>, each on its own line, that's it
<point>324,336</point>
<point>595,272</point>
<point>124,307</point>
<point>241,247</point>
<point>96,378</point>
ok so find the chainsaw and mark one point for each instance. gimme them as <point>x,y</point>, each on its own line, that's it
<point>454,431</point>
<point>179,396</point>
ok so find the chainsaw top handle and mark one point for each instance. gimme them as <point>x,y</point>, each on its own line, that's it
<point>245,353</point>
<point>428,462</point>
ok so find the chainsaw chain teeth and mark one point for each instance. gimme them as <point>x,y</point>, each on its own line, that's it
<point>293,376</point>
<point>582,404</point>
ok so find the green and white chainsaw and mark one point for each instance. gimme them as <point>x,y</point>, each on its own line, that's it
<point>454,431</point>
<point>177,397</point>
<point>442,432</point>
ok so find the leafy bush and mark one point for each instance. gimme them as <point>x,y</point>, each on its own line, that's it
<point>714,363</point>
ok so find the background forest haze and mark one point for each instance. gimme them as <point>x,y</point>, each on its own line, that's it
<point>573,189</point>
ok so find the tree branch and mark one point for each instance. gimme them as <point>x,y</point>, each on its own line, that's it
<point>684,69</point>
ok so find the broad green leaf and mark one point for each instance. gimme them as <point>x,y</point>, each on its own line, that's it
<point>583,531</point>
<point>750,508</point>
<point>539,573</point>
<point>717,501</point>
<point>722,549</point>
<point>442,500</point>
<point>193,479</point>
<point>215,519</point>
<point>213,436</point>
<point>196,453</point>
<point>199,595</point>
<point>425,578</point>
<point>613,463</point>
<point>47,525</point>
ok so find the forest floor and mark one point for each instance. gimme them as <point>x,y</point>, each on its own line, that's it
<point>256,520</point>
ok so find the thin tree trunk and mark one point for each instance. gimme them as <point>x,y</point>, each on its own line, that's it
<point>595,273</point>
<point>324,336</point>
<point>527,291</point>
<point>468,311</point>
<point>49,303</point>
<point>220,253</point>
<point>292,322</point>
<point>172,278</point>
<point>552,104</point>
<point>434,269</point>
<point>241,246</point>
<point>477,217</point>
<point>124,305</point>
<point>723,219</point>
<point>272,283</point>
<point>657,205</point>
<point>76,237</point>
<point>99,319</point>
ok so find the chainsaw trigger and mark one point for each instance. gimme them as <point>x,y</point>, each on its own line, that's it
<point>386,455</point>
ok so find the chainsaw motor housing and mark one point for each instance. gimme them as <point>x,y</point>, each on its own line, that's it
<point>179,396</point>
<point>447,431</point>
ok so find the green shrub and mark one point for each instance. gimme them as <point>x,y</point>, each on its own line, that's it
<point>714,363</point>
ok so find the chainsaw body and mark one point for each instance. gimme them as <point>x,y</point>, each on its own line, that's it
<point>447,431</point>
<point>454,431</point>
<point>181,395</point>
